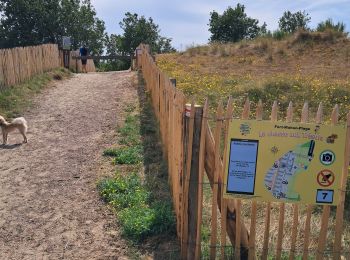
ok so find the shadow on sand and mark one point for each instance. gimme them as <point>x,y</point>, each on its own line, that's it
<point>10,146</point>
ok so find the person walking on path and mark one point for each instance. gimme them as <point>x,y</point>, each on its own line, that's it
<point>83,53</point>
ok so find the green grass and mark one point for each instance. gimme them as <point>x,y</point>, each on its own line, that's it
<point>14,100</point>
<point>139,198</point>
<point>130,131</point>
<point>125,155</point>
<point>123,192</point>
<point>131,149</point>
<point>139,214</point>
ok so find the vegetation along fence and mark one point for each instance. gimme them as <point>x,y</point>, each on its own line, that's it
<point>211,226</point>
<point>20,64</point>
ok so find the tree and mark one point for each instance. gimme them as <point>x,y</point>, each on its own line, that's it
<point>233,25</point>
<point>86,28</point>
<point>32,22</point>
<point>291,22</point>
<point>140,30</point>
<point>111,43</point>
<point>330,25</point>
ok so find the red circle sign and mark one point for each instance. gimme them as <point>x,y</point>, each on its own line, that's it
<point>325,178</point>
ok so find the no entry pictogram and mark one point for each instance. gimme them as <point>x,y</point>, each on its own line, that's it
<point>325,178</point>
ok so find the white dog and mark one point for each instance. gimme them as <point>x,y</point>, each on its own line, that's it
<point>18,123</point>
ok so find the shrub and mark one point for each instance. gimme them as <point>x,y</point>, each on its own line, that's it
<point>165,220</point>
<point>110,152</point>
<point>326,36</point>
<point>279,35</point>
<point>137,221</point>
<point>330,25</point>
<point>113,65</point>
<point>141,220</point>
<point>122,192</point>
<point>128,155</point>
<point>263,45</point>
<point>138,217</point>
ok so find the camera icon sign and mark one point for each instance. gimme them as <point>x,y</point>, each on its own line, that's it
<point>327,157</point>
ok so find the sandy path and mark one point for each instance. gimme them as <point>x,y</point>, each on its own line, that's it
<point>49,208</point>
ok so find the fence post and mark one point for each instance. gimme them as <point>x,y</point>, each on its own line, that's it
<point>192,141</point>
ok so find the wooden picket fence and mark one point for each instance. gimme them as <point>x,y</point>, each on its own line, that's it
<point>22,63</point>
<point>255,230</point>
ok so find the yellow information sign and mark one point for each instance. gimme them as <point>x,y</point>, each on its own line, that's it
<point>284,162</point>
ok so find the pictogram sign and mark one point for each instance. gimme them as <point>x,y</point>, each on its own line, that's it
<point>325,178</point>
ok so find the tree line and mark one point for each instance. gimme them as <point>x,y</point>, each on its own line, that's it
<point>32,22</point>
<point>234,25</point>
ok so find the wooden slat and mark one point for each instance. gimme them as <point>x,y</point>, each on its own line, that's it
<point>194,183</point>
<point>319,114</point>
<point>228,116</point>
<point>245,115</point>
<point>307,232</point>
<point>184,246</point>
<point>326,208</point>
<point>259,111</point>
<point>246,109</point>
<point>252,233</point>
<point>323,232</point>
<point>340,209</point>
<point>265,250</point>
<point>282,205</point>
<point>280,231</point>
<point>295,206</point>
<point>213,236</point>
<point>274,112</point>
<point>172,160</point>
<point>289,117</point>
<point>305,113</point>
<point>238,231</point>
<point>200,179</point>
<point>305,119</point>
<point>273,117</point>
<point>294,231</point>
<point>180,155</point>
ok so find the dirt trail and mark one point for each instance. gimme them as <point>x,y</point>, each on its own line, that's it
<point>49,208</point>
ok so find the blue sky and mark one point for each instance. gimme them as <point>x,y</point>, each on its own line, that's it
<point>186,21</point>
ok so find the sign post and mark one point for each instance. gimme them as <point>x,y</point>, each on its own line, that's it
<point>284,162</point>
<point>66,46</point>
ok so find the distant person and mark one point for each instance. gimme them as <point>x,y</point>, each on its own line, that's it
<point>83,53</point>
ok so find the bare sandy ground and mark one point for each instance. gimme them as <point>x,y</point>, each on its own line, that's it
<point>49,206</point>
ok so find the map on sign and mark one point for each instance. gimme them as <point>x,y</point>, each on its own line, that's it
<point>280,178</point>
<point>284,162</point>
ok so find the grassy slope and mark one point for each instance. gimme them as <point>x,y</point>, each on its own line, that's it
<point>313,68</point>
<point>294,69</point>
<point>14,100</point>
